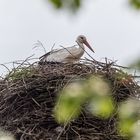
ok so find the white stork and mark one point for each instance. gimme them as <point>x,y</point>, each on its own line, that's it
<point>69,54</point>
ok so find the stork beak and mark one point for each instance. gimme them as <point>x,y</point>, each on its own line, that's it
<point>87,44</point>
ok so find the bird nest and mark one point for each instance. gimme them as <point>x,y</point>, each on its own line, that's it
<point>28,95</point>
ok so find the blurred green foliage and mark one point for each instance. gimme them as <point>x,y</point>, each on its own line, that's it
<point>102,106</point>
<point>94,94</point>
<point>129,114</point>
<point>95,91</point>
<point>135,3</point>
<point>100,103</point>
<point>69,103</point>
<point>56,3</point>
<point>72,5</point>
<point>6,135</point>
<point>136,131</point>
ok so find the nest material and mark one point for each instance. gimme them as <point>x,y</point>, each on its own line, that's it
<point>28,96</point>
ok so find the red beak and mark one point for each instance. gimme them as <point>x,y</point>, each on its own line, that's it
<point>87,44</point>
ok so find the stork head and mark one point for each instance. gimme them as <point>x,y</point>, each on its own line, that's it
<point>82,40</point>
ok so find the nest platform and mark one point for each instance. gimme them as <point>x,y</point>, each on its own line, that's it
<point>28,95</point>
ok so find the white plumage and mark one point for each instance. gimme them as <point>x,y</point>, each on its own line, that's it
<point>69,54</point>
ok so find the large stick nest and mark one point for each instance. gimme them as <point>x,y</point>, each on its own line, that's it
<point>28,95</point>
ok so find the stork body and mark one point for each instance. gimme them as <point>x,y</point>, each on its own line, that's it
<point>66,55</point>
<point>69,54</point>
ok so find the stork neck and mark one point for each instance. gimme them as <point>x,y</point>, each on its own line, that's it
<point>81,46</point>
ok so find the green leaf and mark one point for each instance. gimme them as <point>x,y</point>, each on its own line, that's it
<point>77,3</point>
<point>129,116</point>
<point>135,3</point>
<point>69,103</point>
<point>126,126</point>
<point>67,110</point>
<point>96,85</point>
<point>57,3</point>
<point>129,109</point>
<point>71,5</point>
<point>102,106</point>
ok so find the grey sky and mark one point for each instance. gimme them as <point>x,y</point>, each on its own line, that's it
<point>112,28</point>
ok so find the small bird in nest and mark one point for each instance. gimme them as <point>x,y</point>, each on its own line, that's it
<point>68,54</point>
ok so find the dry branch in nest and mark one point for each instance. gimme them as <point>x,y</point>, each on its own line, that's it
<point>28,95</point>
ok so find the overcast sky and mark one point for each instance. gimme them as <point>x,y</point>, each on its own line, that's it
<point>111,27</point>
